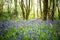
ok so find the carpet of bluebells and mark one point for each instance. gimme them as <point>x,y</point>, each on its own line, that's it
<point>32,29</point>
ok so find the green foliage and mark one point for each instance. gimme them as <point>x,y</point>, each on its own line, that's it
<point>4,15</point>
<point>9,33</point>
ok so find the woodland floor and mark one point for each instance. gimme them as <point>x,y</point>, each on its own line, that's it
<point>32,29</point>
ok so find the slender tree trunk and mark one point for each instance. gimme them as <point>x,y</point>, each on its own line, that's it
<point>37,9</point>
<point>8,7</point>
<point>9,11</point>
<point>15,2</point>
<point>1,7</point>
<point>59,13</point>
<point>49,10</point>
<point>40,8</point>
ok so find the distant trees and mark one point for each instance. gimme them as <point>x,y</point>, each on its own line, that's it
<point>9,5</point>
<point>25,9</point>
<point>1,7</point>
<point>47,8</point>
<point>58,5</point>
<point>37,8</point>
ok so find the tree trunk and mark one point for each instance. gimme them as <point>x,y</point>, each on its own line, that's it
<point>22,8</point>
<point>45,9</point>
<point>1,7</point>
<point>53,10</point>
<point>15,2</point>
<point>9,8</point>
<point>27,9</point>
<point>37,9</point>
<point>40,7</point>
<point>58,8</point>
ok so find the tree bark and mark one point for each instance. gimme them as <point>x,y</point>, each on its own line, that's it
<point>45,9</point>
<point>22,8</point>
<point>53,10</point>
<point>58,8</point>
<point>27,9</point>
<point>15,10</point>
<point>40,7</point>
<point>1,7</point>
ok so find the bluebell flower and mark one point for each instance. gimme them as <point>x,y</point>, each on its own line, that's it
<point>30,33</point>
<point>0,31</point>
<point>1,26</point>
<point>38,34</point>
<point>34,38</point>
<point>21,34</point>
<point>10,39</point>
<point>18,38</point>
<point>4,25</point>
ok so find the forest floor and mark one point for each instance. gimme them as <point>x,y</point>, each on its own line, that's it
<point>35,29</point>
